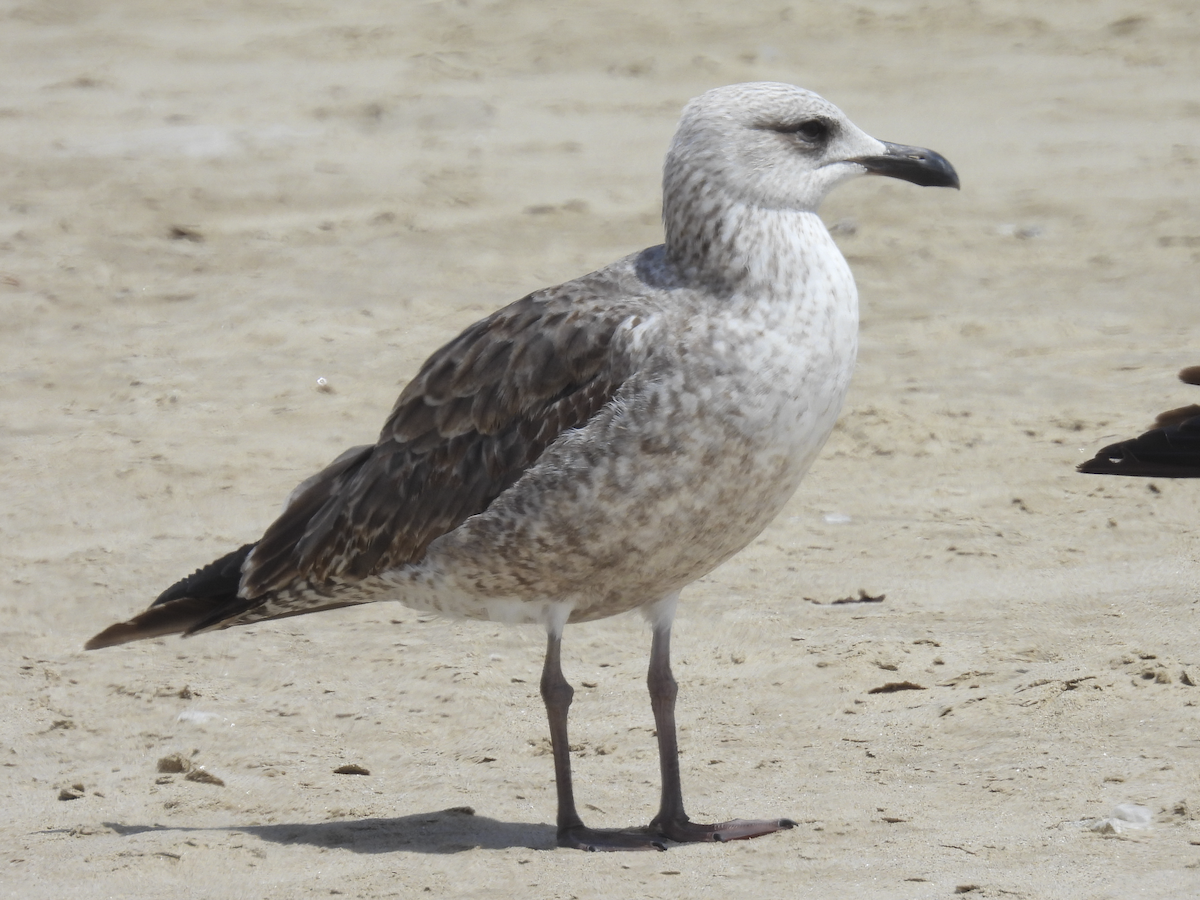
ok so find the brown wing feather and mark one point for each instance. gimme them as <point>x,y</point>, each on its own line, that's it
<point>480,411</point>
<point>181,606</point>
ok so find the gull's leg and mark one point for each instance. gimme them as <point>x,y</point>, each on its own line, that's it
<point>672,821</point>
<point>557,694</point>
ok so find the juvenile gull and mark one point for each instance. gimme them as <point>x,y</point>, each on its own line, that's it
<point>1171,449</point>
<point>597,446</point>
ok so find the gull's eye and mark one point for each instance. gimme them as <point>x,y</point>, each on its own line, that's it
<point>811,131</point>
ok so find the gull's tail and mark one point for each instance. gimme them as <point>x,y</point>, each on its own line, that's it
<point>183,606</point>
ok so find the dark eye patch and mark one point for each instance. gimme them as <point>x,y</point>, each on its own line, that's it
<point>811,131</point>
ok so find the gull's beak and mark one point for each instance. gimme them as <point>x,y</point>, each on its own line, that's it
<point>915,164</point>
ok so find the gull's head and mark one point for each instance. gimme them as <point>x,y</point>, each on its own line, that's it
<point>776,146</point>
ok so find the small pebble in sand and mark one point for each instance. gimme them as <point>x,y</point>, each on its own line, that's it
<point>201,776</point>
<point>175,763</point>
<point>74,792</point>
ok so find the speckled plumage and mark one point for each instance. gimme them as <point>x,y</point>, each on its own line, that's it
<point>596,446</point>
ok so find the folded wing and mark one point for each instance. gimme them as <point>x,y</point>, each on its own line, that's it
<point>479,413</point>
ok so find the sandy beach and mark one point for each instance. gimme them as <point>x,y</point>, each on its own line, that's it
<point>230,232</point>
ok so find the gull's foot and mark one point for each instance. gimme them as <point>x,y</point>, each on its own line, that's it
<point>685,831</point>
<point>580,837</point>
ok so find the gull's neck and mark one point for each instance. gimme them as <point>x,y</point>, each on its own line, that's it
<point>734,247</point>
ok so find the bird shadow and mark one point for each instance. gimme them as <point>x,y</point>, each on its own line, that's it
<point>445,831</point>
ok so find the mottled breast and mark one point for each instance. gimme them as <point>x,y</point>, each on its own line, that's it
<point>731,399</point>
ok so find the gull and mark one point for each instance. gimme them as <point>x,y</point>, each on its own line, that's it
<point>595,447</point>
<point>1171,449</point>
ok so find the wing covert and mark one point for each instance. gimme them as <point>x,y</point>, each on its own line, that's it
<point>479,413</point>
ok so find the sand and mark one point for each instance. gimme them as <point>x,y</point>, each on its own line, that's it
<point>231,231</point>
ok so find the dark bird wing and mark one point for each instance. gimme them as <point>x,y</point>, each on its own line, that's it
<point>1169,450</point>
<point>479,413</point>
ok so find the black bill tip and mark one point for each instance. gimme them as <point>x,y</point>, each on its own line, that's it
<point>915,164</point>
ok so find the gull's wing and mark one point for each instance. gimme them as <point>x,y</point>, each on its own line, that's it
<point>1169,450</point>
<point>1172,451</point>
<point>479,413</point>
